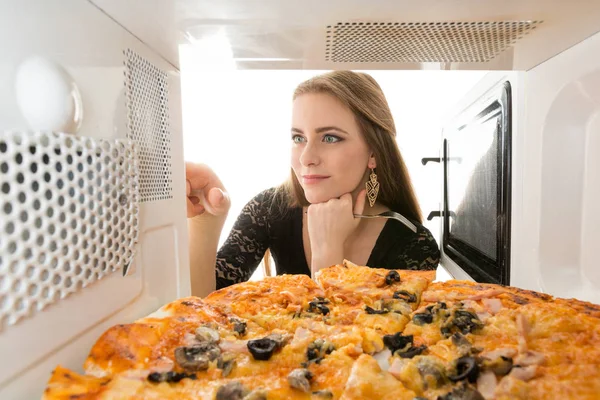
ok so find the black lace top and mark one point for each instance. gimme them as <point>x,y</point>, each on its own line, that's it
<point>259,227</point>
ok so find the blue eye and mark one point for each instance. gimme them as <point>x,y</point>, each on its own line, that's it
<point>331,139</point>
<point>297,139</point>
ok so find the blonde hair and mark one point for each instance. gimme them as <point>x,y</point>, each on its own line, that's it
<point>364,97</point>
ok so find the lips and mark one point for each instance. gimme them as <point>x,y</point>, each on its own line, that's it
<point>313,179</point>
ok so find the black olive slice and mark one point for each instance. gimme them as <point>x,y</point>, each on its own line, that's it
<point>466,368</point>
<point>397,342</point>
<point>391,277</point>
<point>422,318</point>
<point>318,307</point>
<point>413,351</point>
<point>370,310</point>
<point>262,349</point>
<point>406,296</point>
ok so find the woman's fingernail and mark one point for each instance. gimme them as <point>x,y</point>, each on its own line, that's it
<point>220,196</point>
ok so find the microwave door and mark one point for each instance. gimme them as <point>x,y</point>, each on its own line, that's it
<point>476,193</point>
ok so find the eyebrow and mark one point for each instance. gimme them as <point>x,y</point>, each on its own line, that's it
<point>323,129</point>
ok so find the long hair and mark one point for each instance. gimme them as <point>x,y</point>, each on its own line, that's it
<point>364,97</point>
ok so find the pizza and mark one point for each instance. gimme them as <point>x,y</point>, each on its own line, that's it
<point>351,333</point>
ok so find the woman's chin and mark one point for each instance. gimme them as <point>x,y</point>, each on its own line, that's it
<point>316,198</point>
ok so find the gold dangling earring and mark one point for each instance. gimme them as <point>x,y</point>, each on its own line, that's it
<point>372,188</point>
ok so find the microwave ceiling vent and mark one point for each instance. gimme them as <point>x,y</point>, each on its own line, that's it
<point>412,42</point>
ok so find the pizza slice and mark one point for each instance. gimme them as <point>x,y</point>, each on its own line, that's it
<point>272,303</point>
<point>480,338</point>
<point>378,300</point>
<point>150,342</point>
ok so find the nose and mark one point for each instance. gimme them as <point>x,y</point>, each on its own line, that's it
<point>310,155</point>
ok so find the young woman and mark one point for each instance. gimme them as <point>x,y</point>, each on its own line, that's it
<point>344,161</point>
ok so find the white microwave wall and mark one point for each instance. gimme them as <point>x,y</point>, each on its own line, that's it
<point>101,58</point>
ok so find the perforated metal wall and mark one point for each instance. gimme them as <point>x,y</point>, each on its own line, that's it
<point>68,216</point>
<point>390,42</point>
<point>147,94</point>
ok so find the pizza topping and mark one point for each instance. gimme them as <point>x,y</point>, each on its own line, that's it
<point>523,373</point>
<point>466,368</point>
<point>235,346</point>
<point>318,306</point>
<point>462,321</point>
<point>161,364</point>
<point>317,351</point>
<point>432,372</point>
<point>204,334</point>
<point>530,357</point>
<point>423,318</point>
<point>391,277</point>
<point>323,394</point>
<point>500,365</point>
<point>386,306</point>
<point>372,311</point>
<point>262,349</point>
<point>397,342</point>
<point>300,334</point>
<point>486,384</point>
<point>507,352</point>
<point>171,377</point>
<point>402,345</point>
<point>196,357</point>
<point>279,339</point>
<point>462,343</point>
<point>463,392</point>
<point>412,352</point>
<point>459,340</point>
<point>239,327</point>
<point>258,394</point>
<point>406,296</point>
<point>226,362</point>
<point>233,390</point>
<point>523,329</point>
<point>291,297</point>
<point>492,305</point>
<point>486,293</point>
<point>300,379</point>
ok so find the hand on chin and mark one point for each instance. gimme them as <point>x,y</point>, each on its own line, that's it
<point>329,225</point>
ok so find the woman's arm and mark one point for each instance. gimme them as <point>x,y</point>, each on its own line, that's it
<point>245,246</point>
<point>207,208</point>
<point>204,232</point>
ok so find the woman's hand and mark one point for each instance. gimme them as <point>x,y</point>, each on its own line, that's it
<point>329,226</point>
<point>204,191</point>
